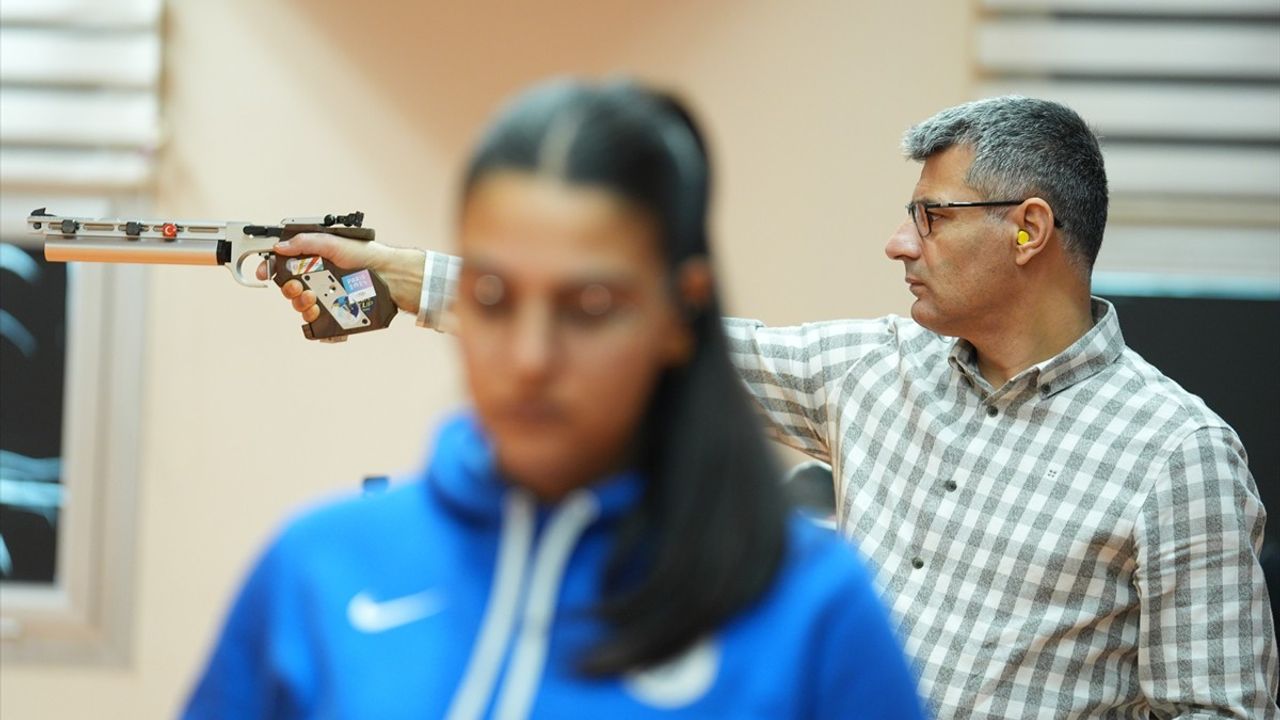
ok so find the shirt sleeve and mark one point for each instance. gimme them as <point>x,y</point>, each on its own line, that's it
<point>1206,646</point>
<point>259,664</point>
<point>790,373</point>
<point>439,285</point>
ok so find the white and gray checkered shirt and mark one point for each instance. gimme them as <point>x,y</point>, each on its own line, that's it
<point>1080,543</point>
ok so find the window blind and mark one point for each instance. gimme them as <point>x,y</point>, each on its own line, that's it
<point>1186,97</point>
<point>79,126</point>
<point>79,108</point>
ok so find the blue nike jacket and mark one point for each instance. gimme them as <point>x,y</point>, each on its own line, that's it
<point>458,596</point>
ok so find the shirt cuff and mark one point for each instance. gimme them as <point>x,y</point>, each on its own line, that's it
<point>439,283</point>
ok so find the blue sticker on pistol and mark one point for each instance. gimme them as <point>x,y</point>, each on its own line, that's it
<point>359,286</point>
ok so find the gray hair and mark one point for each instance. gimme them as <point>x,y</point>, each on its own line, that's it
<point>1024,147</point>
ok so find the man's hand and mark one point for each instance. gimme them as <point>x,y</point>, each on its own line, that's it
<point>400,268</point>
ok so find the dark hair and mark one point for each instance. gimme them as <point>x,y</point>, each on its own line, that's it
<point>1024,147</point>
<point>708,536</point>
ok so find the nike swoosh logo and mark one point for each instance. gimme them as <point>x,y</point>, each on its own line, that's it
<point>370,616</point>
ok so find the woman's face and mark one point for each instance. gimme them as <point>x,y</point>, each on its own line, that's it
<point>566,321</point>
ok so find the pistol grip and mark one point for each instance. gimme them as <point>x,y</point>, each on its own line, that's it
<point>351,300</point>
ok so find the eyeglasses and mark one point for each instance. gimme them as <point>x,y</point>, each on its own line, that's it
<point>919,211</point>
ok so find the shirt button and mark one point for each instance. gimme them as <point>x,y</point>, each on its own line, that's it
<point>1044,389</point>
<point>992,411</point>
<point>917,563</point>
<point>951,486</point>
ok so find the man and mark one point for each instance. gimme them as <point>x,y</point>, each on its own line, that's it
<point>1060,530</point>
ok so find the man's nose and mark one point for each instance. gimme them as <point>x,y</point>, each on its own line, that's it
<point>904,243</point>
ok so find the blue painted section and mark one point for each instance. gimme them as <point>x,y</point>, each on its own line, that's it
<point>1135,284</point>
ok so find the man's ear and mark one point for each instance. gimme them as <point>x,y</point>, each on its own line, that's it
<point>1035,226</point>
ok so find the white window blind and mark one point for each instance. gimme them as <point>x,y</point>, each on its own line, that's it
<point>79,126</point>
<point>79,110</point>
<point>1186,97</point>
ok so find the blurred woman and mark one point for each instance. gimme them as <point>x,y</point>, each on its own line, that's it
<point>604,535</point>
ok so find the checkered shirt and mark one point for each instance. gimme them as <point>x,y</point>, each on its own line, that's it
<point>1079,543</point>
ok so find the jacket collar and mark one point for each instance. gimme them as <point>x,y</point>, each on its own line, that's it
<point>462,470</point>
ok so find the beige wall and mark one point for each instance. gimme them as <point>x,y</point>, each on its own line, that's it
<point>301,107</point>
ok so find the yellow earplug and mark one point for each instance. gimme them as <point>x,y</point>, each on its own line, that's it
<point>1023,237</point>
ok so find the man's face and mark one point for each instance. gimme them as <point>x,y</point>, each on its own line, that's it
<point>961,273</point>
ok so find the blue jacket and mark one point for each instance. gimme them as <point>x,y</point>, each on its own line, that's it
<point>459,596</point>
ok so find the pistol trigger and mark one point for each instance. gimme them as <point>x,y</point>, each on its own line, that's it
<point>236,266</point>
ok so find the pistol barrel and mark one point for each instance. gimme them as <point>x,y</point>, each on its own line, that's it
<point>112,240</point>
<point>202,252</point>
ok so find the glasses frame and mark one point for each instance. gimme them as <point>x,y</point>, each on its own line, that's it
<point>924,225</point>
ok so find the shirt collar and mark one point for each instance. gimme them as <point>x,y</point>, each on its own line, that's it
<point>1096,349</point>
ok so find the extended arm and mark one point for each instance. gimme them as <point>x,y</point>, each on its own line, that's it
<point>787,370</point>
<point>793,373</point>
